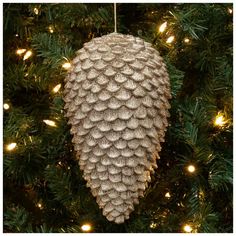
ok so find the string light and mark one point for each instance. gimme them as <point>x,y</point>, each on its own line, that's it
<point>167,195</point>
<point>39,205</point>
<point>187,40</point>
<point>6,106</point>
<point>17,35</point>
<point>50,28</point>
<point>50,123</point>
<point>230,10</point>
<point>191,168</point>
<point>170,39</point>
<point>11,146</point>
<point>153,225</point>
<point>219,120</point>
<point>187,228</point>
<point>86,227</point>
<point>162,28</point>
<point>56,88</point>
<point>20,51</point>
<point>66,65</point>
<point>27,55</point>
<point>36,11</point>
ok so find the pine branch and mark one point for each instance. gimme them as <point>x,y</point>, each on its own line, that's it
<point>51,49</point>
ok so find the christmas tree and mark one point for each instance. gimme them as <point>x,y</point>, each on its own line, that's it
<point>192,189</point>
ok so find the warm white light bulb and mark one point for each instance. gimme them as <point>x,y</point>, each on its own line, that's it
<point>219,120</point>
<point>162,28</point>
<point>20,51</point>
<point>36,11</point>
<point>40,205</point>
<point>191,168</point>
<point>66,65</point>
<point>167,195</point>
<point>56,88</point>
<point>230,10</point>
<point>86,227</point>
<point>6,106</point>
<point>186,40</point>
<point>153,225</point>
<point>50,123</point>
<point>11,146</point>
<point>187,228</point>
<point>170,39</point>
<point>50,28</point>
<point>27,55</point>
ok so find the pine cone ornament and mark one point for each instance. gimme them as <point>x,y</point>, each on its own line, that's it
<point>116,97</point>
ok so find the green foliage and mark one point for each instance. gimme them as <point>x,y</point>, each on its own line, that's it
<point>188,20</point>
<point>42,168</point>
<point>43,229</point>
<point>50,48</point>
<point>221,173</point>
<point>176,78</point>
<point>16,220</point>
<point>59,183</point>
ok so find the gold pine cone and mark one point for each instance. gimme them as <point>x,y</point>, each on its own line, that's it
<point>116,101</point>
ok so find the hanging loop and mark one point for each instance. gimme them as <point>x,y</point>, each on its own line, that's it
<point>115,26</point>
